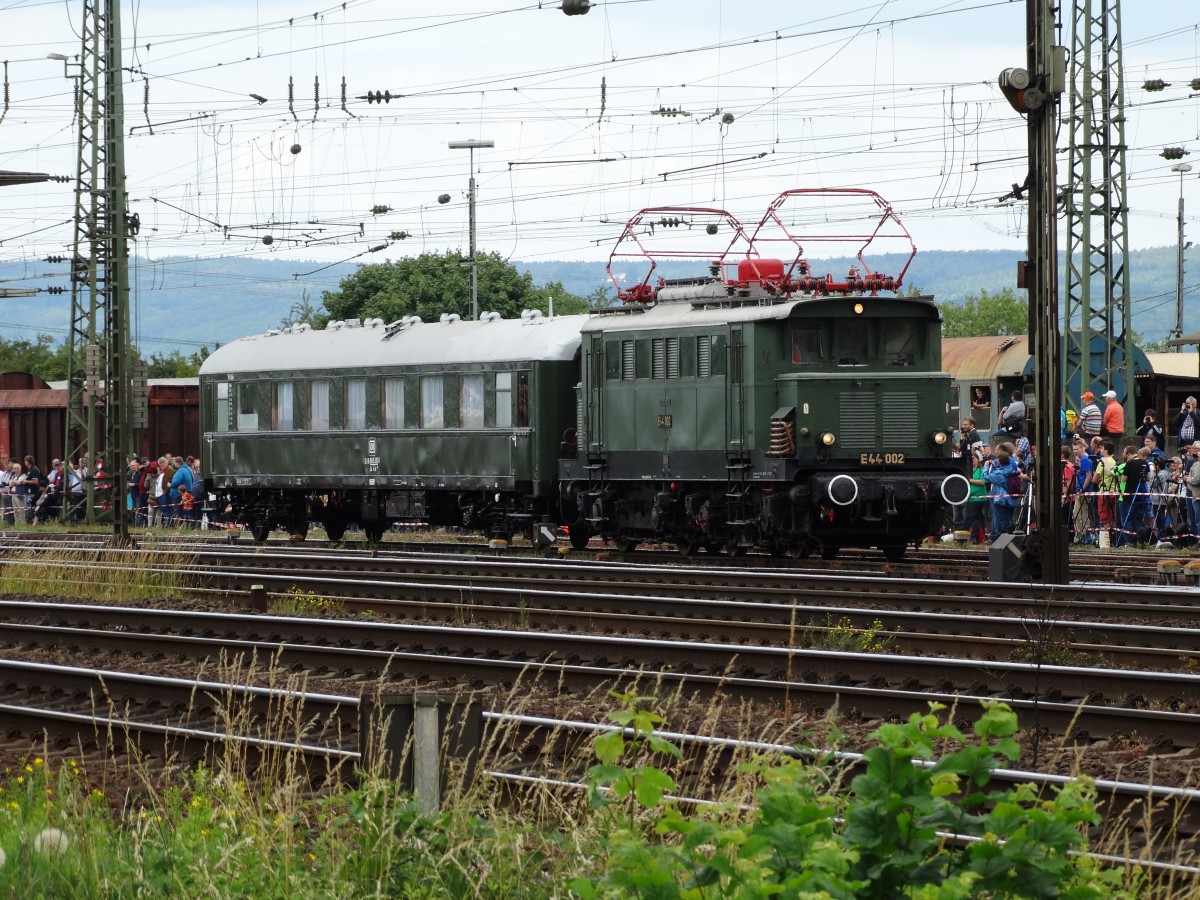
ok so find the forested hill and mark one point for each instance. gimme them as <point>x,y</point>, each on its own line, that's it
<point>183,302</point>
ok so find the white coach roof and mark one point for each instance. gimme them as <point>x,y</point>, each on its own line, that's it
<point>415,344</point>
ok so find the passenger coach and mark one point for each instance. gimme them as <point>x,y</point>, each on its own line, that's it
<point>450,423</point>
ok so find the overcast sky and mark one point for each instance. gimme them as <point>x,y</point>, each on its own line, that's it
<point>896,96</point>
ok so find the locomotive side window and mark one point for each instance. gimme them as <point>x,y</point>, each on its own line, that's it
<point>612,360</point>
<point>852,342</point>
<point>902,341</point>
<point>806,345</point>
<point>432,409</point>
<point>393,403</point>
<point>471,401</point>
<point>703,356</point>
<point>247,410</point>
<point>222,422</point>
<point>318,406</point>
<point>504,399</point>
<point>687,357</point>
<point>627,360</point>
<point>356,404</point>
<point>673,357</point>
<point>281,414</point>
<point>720,354</point>
<point>658,358</point>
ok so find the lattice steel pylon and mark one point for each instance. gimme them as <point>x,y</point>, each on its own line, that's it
<point>99,365</point>
<point>1096,316</point>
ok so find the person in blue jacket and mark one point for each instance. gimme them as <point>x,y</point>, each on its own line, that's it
<point>181,481</point>
<point>1004,503</point>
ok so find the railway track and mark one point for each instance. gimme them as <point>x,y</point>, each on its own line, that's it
<point>71,708</point>
<point>1085,703</point>
<point>1086,566</point>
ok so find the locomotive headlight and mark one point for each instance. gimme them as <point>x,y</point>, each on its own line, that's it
<point>938,438</point>
<point>827,439</point>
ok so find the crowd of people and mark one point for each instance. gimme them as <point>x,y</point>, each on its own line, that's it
<point>167,491</point>
<point>1114,491</point>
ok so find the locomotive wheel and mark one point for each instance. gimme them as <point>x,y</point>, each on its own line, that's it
<point>803,550</point>
<point>335,530</point>
<point>375,531</point>
<point>260,533</point>
<point>775,549</point>
<point>627,545</point>
<point>687,548</point>
<point>894,552</point>
<point>829,551</point>
<point>733,548</point>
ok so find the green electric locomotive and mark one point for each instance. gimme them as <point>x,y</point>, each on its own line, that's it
<point>443,423</point>
<point>759,405</point>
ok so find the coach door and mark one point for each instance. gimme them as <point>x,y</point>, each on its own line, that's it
<point>735,385</point>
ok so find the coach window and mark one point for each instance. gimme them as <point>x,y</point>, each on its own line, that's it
<point>393,403</point>
<point>522,399</point>
<point>432,409</point>
<point>471,401</point>
<point>356,404</point>
<point>318,406</point>
<point>504,399</point>
<point>806,345</point>
<point>851,342</point>
<point>247,411</point>
<point>222,423</point>
<point>281,414</point>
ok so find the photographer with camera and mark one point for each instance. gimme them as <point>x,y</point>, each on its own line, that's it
<point>1186,425</point>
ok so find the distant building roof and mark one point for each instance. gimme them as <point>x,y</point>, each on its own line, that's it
<point>1183,365</point>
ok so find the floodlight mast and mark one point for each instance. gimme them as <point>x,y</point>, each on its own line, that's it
<point>472,146</point>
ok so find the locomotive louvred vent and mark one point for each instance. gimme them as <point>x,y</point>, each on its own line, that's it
<point>900,416</point>
<point>858,421</point>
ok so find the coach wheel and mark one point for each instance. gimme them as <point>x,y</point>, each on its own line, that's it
<point>335,530</point>
<point>260,533</point>
<point>627,545</point>
<point>579,535</point>
<point>298,529</point>
<point>733,548</point>
<point>374,531</point>
<point>894,552</point>
<point>829,551</point>
<point>688,548</point>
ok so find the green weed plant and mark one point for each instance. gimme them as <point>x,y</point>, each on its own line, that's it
<point>902,829</point>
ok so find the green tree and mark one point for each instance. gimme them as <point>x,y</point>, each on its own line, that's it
<point>302,311</point>
<point>175,364</point>
<point>41,357</point>
<point>431,284</point>
<point>988,314</point>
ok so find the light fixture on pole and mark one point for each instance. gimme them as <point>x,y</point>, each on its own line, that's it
<point>1182,169</point>
<point>472,146</point>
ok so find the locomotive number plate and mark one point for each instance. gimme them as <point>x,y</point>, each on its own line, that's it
<point>881,459</point>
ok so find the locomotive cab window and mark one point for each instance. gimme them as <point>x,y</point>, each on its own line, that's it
<point>806,345</point>
<point>852,342</point>
<point>902,342</point>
